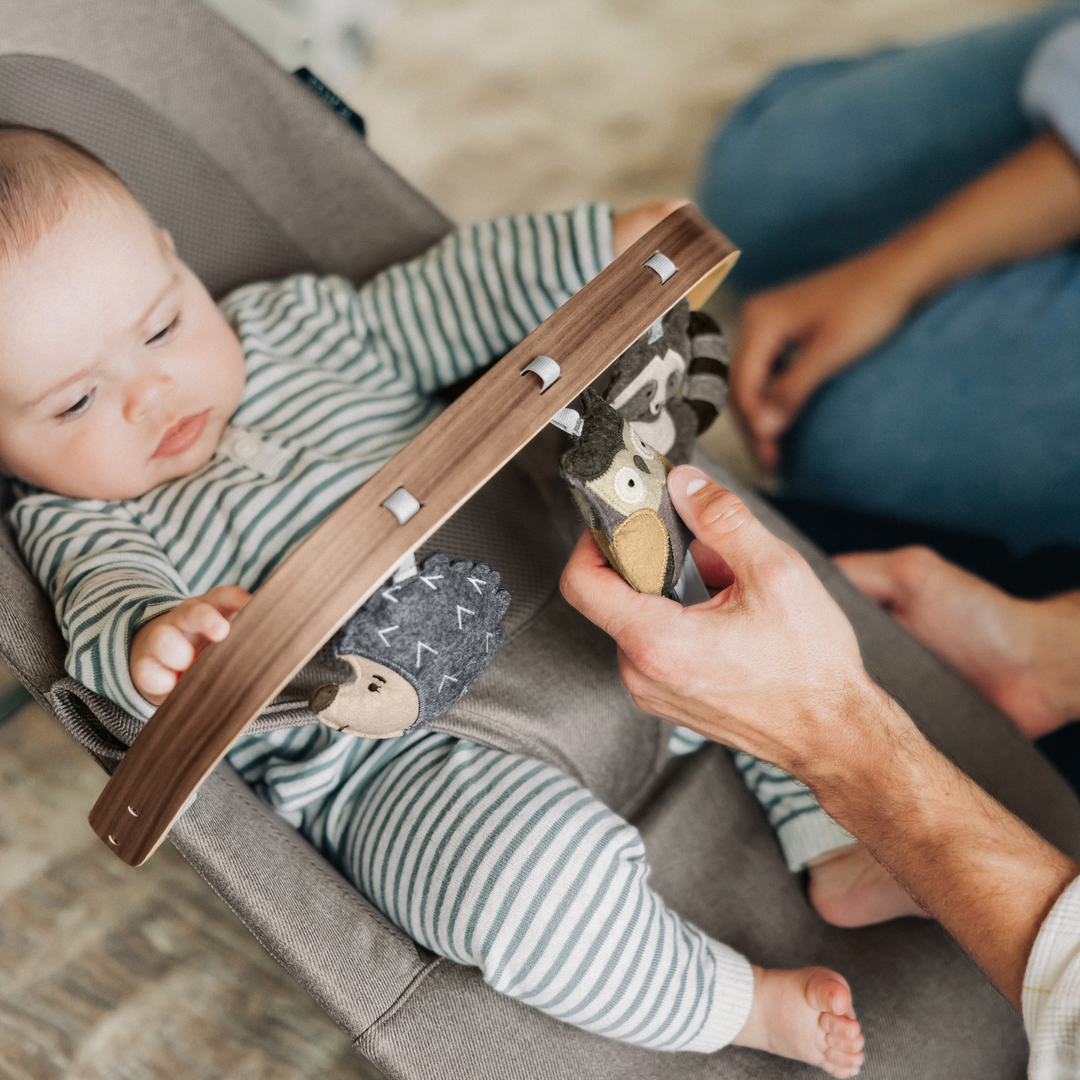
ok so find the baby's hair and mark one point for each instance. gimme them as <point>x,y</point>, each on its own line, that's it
<point>41,173</point>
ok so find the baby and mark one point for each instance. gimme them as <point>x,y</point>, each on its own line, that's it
<point>168,452</point>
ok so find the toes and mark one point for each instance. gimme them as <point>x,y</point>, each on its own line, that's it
<point>841,1064</point>
<point>829,992</point>
<point>847,1043</point>
<point>841,1031</point>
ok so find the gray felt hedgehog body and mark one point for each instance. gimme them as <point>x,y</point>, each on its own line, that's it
<point>672,382</point>
<point>415,648</point>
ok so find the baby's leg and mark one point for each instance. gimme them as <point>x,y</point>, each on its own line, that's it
<point>848,887</point>
<point>504,863</point>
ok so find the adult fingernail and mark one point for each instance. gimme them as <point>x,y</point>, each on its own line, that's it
<point>687,479</point>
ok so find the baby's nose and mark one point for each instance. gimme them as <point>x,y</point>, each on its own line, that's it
<point>145,395</point>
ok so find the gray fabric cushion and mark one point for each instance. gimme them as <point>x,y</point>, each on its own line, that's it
<point>253,174</point>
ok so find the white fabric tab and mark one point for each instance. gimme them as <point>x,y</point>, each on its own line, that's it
<point>260,453</point>
<point>568,420</point>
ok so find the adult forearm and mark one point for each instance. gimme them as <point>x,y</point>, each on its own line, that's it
<point>1027,205</point>
<point>980,871</point>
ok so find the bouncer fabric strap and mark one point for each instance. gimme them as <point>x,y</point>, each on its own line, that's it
<point>302,604</point>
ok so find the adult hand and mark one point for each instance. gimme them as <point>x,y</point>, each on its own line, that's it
<point>821,324</point>
<point>165,647</point>
<point>1026,205</point>
<point>770,664</point>
<point>1022,655</point>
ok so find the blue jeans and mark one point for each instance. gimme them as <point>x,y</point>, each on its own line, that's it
<point>968,417</point>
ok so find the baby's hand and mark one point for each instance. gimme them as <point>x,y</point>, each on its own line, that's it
<point>631,225</point>
<point>167,646</point>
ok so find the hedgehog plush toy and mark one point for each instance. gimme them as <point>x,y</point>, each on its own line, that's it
<point>666,389</point>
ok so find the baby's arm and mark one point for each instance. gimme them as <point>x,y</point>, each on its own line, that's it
<point>484,287</point>
<point>106,577</point>
<point>165,647</point>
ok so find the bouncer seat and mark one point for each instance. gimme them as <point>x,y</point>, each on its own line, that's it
<point>256,178</point>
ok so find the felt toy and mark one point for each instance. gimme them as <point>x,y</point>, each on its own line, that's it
<point>620,486</point>
<point>416,646</point>
<point>672,382</point>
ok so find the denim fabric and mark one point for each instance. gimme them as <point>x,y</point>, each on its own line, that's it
<point>968,417</point>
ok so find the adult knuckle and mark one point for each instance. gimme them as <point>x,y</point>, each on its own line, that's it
<point>724,510</point>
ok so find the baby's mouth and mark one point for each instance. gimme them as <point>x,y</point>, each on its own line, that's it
<point>182,435</point>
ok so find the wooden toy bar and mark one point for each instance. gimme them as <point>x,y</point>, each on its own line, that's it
<point>339,565</point>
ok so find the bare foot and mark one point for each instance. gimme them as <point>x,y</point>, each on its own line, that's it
<point>849,887</point>
<point>805,1015</point>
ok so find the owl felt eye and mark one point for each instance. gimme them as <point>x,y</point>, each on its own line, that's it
<point>645,451</point>
<point>629,485</point>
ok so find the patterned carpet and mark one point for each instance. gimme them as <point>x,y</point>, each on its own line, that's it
<point>109,973</point>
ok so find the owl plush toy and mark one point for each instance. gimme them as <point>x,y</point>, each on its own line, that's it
<point>666,389</point>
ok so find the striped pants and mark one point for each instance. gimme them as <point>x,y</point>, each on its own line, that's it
<point>504,863</point>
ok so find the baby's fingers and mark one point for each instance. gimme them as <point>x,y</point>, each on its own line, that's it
<point>200,619</point>
<point>169,646</point>
<point>152,679</point>
<point>227,599</point>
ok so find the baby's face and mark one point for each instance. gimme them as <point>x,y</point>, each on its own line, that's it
<point>117,371</point>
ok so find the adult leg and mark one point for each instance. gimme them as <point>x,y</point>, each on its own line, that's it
<point>831,157</point>
<point>968,418</point>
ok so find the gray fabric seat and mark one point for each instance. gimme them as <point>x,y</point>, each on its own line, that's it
<point>256,178</point>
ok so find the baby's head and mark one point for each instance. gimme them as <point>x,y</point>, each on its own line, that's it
<point>117,371</point>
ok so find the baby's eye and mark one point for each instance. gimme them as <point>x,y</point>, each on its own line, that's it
<point>160,335</point>
<point>78,408</point>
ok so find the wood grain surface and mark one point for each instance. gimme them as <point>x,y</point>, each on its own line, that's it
<point>330,575</point>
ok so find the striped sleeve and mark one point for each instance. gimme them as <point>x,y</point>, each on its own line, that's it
<point>482,289</point>
<point>802,828</point>
<point>105,577</point>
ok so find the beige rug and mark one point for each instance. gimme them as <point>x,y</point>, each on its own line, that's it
<point>491,107</point>
<point>108,973</point>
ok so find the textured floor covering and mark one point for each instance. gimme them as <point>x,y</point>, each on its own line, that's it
<point>109,973</point>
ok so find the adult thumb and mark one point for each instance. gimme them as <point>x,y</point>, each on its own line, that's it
<point>721,521</point>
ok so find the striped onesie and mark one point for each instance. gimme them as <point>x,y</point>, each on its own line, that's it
<point>489,858</point>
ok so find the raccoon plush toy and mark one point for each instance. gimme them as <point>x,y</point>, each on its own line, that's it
<point>672,382</point>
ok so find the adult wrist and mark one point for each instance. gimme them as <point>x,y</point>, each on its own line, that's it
<point>1055,646</point>
<point>868,731</point>
<point>912,264</point>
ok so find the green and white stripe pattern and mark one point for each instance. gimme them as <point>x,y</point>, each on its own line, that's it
<point>803,829</point>
<point>504,863</point>
<point>488,858</point>
<point>338,380</point>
